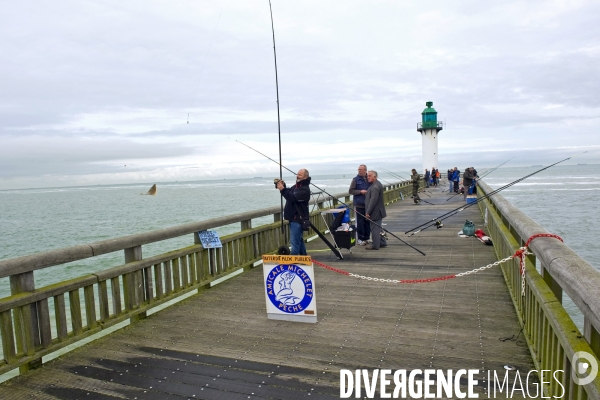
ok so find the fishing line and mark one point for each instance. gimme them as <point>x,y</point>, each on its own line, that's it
<point>203,67</point>
<point>341,202</point>
<point>437,221</point>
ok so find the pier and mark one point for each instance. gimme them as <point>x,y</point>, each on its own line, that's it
<point>218,343</point>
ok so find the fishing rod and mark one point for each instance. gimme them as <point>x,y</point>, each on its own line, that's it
<point>493,169</point>
<point>404,179</point>
<point>385,181</point>
<point>328,194</point>
<point>278,115</point>
<point>396,175</point>
<point>425,201</point>
<point>484,175</point>
<point>437,221</point>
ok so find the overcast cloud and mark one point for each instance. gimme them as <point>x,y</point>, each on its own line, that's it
<point>99,92</point>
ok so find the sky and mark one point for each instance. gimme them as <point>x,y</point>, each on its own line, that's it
<point>109,92</point>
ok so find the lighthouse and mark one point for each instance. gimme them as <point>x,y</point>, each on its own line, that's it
<point>429,128</point>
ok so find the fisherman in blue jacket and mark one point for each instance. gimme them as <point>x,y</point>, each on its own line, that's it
<point>358,188</point>
<point>427,176</point>
<point>456,179</point>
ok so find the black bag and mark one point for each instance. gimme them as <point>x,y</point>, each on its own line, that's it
<point>305,224</point>
<point>305,221</point>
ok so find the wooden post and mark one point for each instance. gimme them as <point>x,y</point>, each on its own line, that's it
<point>26,325</point>
<point>552,284</point>
<point>591,335</point>
<point>134,280</point>
<point>247,224</point>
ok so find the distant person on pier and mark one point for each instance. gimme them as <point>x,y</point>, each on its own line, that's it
<point>468,182</point>
<point>415,178</point>
<point>296,208</point>
<point>437,177</point>
<point>450,173</point>
<point>375,210</point>
<point>358,188</point>
<point>427,177</point>
<point>456,179</point>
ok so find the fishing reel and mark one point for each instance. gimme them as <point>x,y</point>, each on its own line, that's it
<point>438,224</point>
<point>276,181</point>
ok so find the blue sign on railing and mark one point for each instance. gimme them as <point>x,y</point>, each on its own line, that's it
<point>210,239</point>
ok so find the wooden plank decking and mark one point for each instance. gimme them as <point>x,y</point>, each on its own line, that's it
<point>220,345</point>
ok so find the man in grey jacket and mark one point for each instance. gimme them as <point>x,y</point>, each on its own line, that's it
<point>375,210</point>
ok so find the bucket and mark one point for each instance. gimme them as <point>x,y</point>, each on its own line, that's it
<point>346,212</point>
<point>471,199</point>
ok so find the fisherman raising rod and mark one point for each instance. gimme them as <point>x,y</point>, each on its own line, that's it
<point>324,191</point>
<point>437,221</point>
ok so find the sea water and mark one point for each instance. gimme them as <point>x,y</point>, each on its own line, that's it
<point>562,199</point>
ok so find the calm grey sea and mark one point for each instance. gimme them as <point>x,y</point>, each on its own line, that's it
<point>561,199</point>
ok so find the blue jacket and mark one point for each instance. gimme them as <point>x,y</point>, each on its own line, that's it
<point>359,183</point>
<point>456,176</point>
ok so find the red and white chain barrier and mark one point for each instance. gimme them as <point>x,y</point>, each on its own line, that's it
<point>521,254</point>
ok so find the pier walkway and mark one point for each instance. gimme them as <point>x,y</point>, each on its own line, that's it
<point>219,344</point>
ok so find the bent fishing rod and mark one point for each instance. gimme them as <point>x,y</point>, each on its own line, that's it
<point>278,117</point>
<point>437,221</point>
<point>328,194</point>
<point>484,175</point>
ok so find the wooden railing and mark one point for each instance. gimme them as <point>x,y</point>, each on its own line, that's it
<point>34,321</point>
<point>551,334</point>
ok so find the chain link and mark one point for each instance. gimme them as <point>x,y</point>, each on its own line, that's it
<point>521,254</point>
<point>473,271</point>
<point>485,267</point>
<point>374,279</point>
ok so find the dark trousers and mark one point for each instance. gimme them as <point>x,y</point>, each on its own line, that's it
<point>376,231</point>
<point>363,228</point>
<point>456,186</point>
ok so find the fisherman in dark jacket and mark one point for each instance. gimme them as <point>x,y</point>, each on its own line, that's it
<point>375,210</point>
<point>296,208</point>
<point>415,178</point>
<point>358,188</point>
<point>468,181</point>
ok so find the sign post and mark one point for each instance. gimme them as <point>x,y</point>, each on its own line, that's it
<point>290,288</point>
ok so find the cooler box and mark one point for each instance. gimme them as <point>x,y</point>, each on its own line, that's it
<point>471,199</point>
<point>345,239</point>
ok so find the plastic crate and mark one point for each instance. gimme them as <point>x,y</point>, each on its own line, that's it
<point>345,239</point>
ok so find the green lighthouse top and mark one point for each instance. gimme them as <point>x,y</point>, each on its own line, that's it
<point>429,120</point>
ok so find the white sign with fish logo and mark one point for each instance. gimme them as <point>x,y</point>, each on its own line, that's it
<point>289,288</point>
